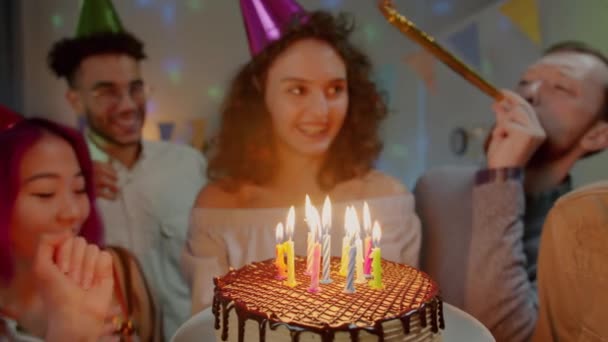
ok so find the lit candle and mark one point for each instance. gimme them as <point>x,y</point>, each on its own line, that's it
<point>280,260</point>
<point>359,245</point>
<point>326,220</point>
<point>376,282</point>
<point>291,269</point>
<point>367,242</point>
<point>311,235</point>
<point>349,286</point>
<point>345,243</point>
<point>316,265</point>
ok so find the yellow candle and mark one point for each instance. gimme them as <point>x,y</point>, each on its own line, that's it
<point>291,269</point>
<point>376,282</point>
<point>280,263</point>
<point>280,254</point>
<point>344,259</point>
<point>288,245</point>
<point>345,243</point>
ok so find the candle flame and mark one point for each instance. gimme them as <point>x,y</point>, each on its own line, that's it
<point>326,215</point>
<point>367,219</point>
<point>346,221</point>
<point>291,222</point>
<point>308,215</point>
<point>279,232</point>
<point>356,224</point>
<point>376,233</point>
<point>349,221</point>
<point>313,220</point>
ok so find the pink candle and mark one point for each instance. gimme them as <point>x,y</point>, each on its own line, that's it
<point>367,257</point>
<point>316,265</point>
<point>367,242</point>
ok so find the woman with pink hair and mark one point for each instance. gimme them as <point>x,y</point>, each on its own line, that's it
<point>57,282</point>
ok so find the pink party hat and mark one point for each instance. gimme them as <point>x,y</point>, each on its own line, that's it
<point>265,20</point>
<point>8,118</point>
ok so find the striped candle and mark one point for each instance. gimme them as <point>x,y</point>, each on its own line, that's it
<point>359,259</point>
<point>309,251</point>
<point>350,275</point>
<point>326,259</point>
<point>345,243</point>
<point>326,224</point>
<point>311,239</point>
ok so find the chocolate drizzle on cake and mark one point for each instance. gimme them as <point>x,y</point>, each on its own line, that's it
<point>441,320</point>
<point>255,295</point>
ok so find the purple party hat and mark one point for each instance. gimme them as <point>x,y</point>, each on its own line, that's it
<point>265,20</point>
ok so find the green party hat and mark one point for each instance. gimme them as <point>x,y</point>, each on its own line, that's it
<point>98,16</point>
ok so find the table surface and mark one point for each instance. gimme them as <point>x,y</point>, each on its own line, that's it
<point>460,326</point>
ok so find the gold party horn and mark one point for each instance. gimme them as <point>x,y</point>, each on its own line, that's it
<point>430,44</point>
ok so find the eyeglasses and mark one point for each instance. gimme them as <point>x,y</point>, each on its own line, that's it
<point>110,95</point>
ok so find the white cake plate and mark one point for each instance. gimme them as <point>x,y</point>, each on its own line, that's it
<point>460,326</point>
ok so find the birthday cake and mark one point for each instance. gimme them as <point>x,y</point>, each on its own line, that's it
<point>250,304</point>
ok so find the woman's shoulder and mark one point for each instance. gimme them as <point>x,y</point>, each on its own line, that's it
<point>216,195</point>
<point>378,184</point>
<point>373,184</point>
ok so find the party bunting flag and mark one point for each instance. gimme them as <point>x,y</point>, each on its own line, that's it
<point>166,130</point>
<point>423,64</point>
<point>466,44</point>
<point>524,15</point>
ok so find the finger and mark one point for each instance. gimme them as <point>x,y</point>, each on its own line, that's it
<point>88,266</point>
<point>105,169</point>
<point>104,181</point>
<point>115,310</point>
<point>520,106</point>
<point>501,110</point>
<point>76,258</point>
<point>64,255</point>
<point>44,262</point>
<point>107,193</point>
<point>103,267</point>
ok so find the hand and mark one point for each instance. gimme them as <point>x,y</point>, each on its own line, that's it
<point>106,180</point>
<point>517,134</point>
<point>76,285</point>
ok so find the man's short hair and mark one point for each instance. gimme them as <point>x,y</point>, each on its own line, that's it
<point>67,54</point>
<point>586,49</point>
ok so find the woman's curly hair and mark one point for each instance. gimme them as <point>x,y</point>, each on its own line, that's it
<point>243,150</point>
<point>67,54</point>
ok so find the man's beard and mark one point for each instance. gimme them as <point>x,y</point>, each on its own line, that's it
<point>106,137</point>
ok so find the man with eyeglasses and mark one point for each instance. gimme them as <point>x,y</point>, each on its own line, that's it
<point>145,189</point>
